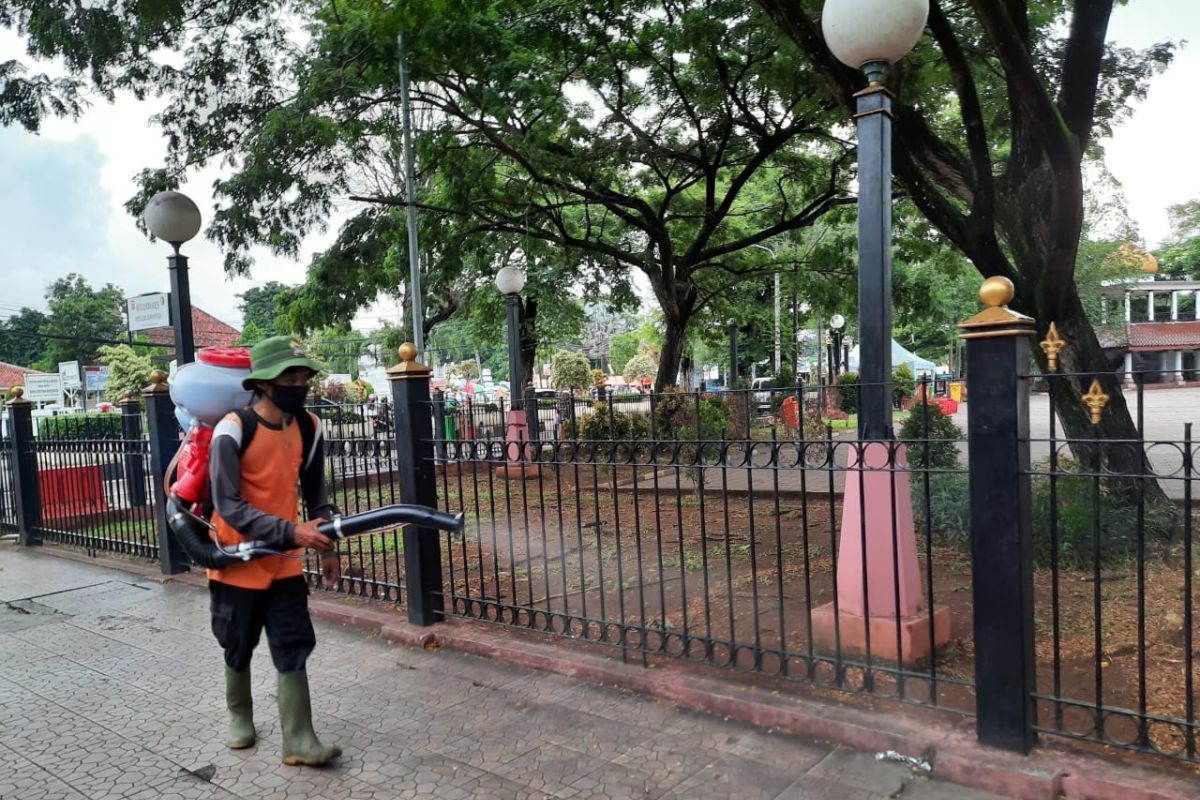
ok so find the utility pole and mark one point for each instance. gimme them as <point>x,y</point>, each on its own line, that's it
<point>414,263</point>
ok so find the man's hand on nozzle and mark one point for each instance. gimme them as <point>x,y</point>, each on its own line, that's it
<point>307,535</point>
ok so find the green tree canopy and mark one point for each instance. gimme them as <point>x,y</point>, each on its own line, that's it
<point>639,368</point>
<point>129,371</point>
<point>1180,257</point>
<point>21,342</point>
<point>81,318</point>
<point>682,143</point>
<point>571,370</point>
<point>261,308</point>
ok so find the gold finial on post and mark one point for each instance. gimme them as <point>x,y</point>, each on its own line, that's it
<point>1052,345</point>
<point>18,395</point>
<point>408,367</point>
<point>996,320</point>
<point>158,383</point>
<point>1095,400</point>
<point>997,292</point>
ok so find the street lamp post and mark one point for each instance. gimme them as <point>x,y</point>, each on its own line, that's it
<point>871,35</point>
<point>880,611</point>
<point>836,323</point>
<point>523,414</point>
<point>174,218</point>
<point>510,281</point>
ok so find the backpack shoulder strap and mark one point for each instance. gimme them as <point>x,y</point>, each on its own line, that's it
<point>306,423</point>
<point>308,436</point>
<point>249,422</point>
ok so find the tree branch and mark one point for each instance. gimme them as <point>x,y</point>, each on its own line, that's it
<point>1032,104</point>
<point>984,191</point>
<point>1081,66</point>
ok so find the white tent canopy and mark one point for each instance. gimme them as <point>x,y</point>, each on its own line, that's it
<point>900,356</point>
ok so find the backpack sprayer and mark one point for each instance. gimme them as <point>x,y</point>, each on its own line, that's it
<point>204,391</point>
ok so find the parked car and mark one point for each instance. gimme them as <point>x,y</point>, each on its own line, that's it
<point>762,392</point>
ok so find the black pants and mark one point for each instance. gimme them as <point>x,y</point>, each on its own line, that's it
<point>239,615</point>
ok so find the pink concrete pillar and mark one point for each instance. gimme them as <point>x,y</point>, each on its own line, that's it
<point>517,449</point>
<point>878,566</point>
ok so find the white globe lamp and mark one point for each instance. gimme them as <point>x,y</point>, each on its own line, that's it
<point>873,34</point>
<point>510,280</point>
<point>172,217</point>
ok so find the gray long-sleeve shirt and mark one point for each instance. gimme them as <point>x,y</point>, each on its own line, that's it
<point>225,478</point>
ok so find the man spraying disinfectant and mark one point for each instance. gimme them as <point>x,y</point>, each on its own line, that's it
<point>252,451</point>
<point>254,479</point>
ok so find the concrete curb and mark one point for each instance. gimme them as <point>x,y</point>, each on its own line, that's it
<point>1049,773</point>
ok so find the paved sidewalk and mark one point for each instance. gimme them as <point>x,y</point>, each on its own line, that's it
<point>111,687</point>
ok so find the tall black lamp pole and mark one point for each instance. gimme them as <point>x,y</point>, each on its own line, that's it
<point>871,35</point>
<point>836,323</point>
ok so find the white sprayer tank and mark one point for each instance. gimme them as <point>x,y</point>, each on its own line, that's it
<point>207,389</point>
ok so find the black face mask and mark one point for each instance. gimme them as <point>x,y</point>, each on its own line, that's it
<point>290,399</point>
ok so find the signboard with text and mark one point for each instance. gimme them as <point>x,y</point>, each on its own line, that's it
<point>43,388</point>
<point>148,311</point>
<point>68,371</point>
<point>96,378</point>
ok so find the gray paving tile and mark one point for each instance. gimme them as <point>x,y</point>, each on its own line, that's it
<point>22,779</point>
<point>731,776</point>
<point>117,692</point>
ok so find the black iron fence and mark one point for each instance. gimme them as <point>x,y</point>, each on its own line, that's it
<point>698,527</point>
<point>8,503</point>
<point>362,472</point>
<point>753,531</point>
<point>1113,553</point>
<point>96,494</point>
<point>84,481</point>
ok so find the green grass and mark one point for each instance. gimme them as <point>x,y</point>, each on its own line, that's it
<point>139,530</point>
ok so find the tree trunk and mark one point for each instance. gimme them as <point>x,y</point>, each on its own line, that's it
<point>529,342</point>
<point>672,352</point>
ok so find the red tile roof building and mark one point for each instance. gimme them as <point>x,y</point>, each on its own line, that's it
<point>207,331</point>
<point>12,375</point>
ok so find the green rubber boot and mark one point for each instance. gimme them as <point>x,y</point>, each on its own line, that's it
<point>241,709</point>
<point>300,744</point>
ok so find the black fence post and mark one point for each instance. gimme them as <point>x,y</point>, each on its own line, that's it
<point>26,494</point>
<point>135,466</point>
<point>1001,538</point>
<point>418,485</point>
<point>164,442</point>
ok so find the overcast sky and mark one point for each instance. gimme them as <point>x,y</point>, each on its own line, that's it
<point>61,204</point>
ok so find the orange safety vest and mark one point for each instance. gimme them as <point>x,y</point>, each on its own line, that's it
<point>270,479</point>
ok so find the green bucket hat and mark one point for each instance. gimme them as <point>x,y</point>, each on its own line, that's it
<point>270,358</point>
